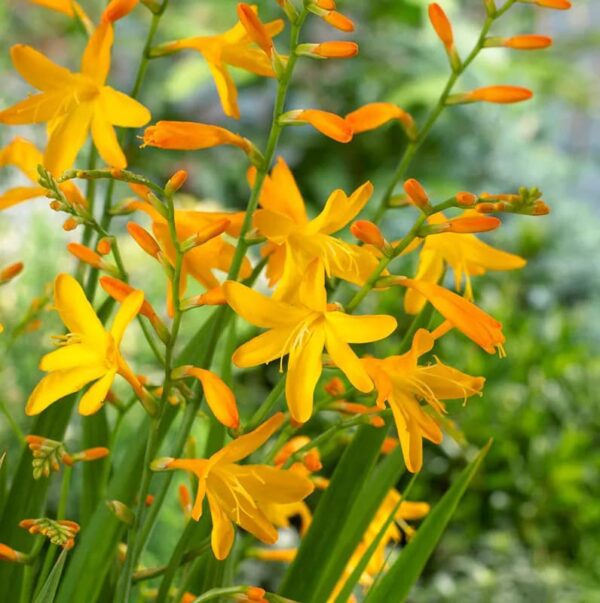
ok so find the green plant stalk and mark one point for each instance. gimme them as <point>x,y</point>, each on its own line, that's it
<point>29,571</point>
<point>12,423</point>
<point>414,145</point>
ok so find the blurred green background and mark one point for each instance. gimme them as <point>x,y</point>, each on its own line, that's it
<point>529,529</point>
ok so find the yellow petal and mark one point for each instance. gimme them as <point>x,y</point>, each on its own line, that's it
<point>264,348</point>
<point>92,400</point>
<point>24,155</point>
<point>70,356</point>
<point>36,109</point>
<point>105,140</point>
<point>38,70</point>
<point>304,369</point>
<point>275,226</point>
<point>77,312</point>
<point>312,292</point>
<point>409,511</point>
<point>361,329</point>
<point>250,59</point>
<point>347,361</point>
<point>271,485</point>
<point>246,444</point>
<point>127,312</point>
<point>410,441</point>
<point>260,310</point>
<point>222,534</point>
<point>225,88</point>
<point>340,209</point>
<point>67,137</point>
<point>95,62</point>
<point>59,384</point>
<point>480,253</point>
<point>430,269</point>
<point>19,194</point>
<point>122,110</point>
<point>448,383</point>
<point>219,397</point>
<point>199,500</point>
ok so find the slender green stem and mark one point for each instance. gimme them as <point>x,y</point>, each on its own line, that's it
<point>265,408</point>
<point>11,421</point>
<point>413,146</point>
<point>175,561</point>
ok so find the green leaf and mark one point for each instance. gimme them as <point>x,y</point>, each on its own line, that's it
<point>48,590</point>
<point>400,578</point>
<point>3,480</point>
<point>330,519</point>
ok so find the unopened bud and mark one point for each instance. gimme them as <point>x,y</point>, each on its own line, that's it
<point>338,21</point>
<point>368,233</point>
<point>254,593</point>
<point>417,194</point>
<point>540,208</point>
<point>335,387</point>
<point>70,224</point>
<point>161,464</point>
<point>486,208</point>
<point>9,554</point>
<point>329,50</point>
<point>255,28</point>
<point>176,181</point>
<point>465,199</point>
<point>121,511</point>
<point>144,239</point>
<point>104,246</point>
<point>86,255</point>
<point>213,297</point>
<point>472,224</point>
<point>10,272</point>
<point>312,460</point>
<point>554,4</point>
<point>205,234</point>
<point>377,422</point>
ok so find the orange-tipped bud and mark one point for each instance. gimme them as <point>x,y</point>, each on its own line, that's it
<point>368,233</point>
<point>470,224</point>
<point>119,290</point>
<point>338,21</point>
<point>176,181</point>
<point>149,500</point>
<point>527,42</point>
<point>373,115</point>
<point>389,444</point>
<point>326,4</point>
<point>254,593</point>
<point>416,193</point>
<point>255,28</point>
<point>144,239</point>
<point>290,448</point>
<point>9,554</point>
<point>441,25</point>
<point>206,234</point>
<point>70,224</point>
<point>185,500</point>
<point>329,50</point>
<point>93,454</point>
<point>121,511</point>
<point>377,422</point>
<point>7,274</point>
<point>86,255</point>
<point>104,246</point>
<point>540,208</point>
<point>465,199</point>
<point>498,94</point>
<point>117,9</point>
<point>312,460</point>
<point>219,397</point>
<point>555,4</point>
<point>335,387</point>
<point>191,136</point>
<point>486,208</point>
<point>329,124</point>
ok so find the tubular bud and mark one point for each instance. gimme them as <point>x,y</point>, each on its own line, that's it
<point>417,194</point>
<point>368,233</point>
<point>121,511</point>
<point>144,239</point>
<point>443,29</point>
<point>335,387</point>
<point>9,554</point>
<point>329,50</point>
<point>465,199</point>
<point>213,297</point>
<point>329,124</point>
<point>104,246</point>
<point>117,9</point>
<point>554,4</point>
<point>470,224</point>
<point>87,256</point>
<point>255,28</point>
<point>492,94</point>
<point>373,115</point>
<point>70,224</point>
<point>338,21</point>
<point>10,272</point>
<point>206,234</point>
<point>522,42</point>
<point>175,182</point>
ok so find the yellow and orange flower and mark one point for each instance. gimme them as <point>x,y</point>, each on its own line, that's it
<point>238,493</point>
<point>403,384</point>
<point>303,330</point>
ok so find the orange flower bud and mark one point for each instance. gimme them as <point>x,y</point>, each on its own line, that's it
<point>338,21</point>
<point>149,500</point>
<point>368,233</point>
<point>500,94</point>
<point>377,422</point>
<point>373,115</point>
<point>540,208</point>
<point>119,290</point>
<point>7,274</point>
<point>555,4</point>
<point>254,28</point>
<point>527,42</point>
<point>219,397</point>
<point>9,554</point>
<point>326,4</point>
<point>486,208</point>
<point>144,239</point>
<point>471,224</point>
<point>416,193</point>
<point>312,460</point>
<point>335,387</point>
<point>93,454</point>
<point>191,136</point>
<point>441,25</point>
<point>254,593</point>
<point>86,255</point>
<point>176,181</point>
<point>206,234</point>
<point>389,444</point>
<point>117,9</point>
<point>330,124</point>
<point>104,245</point>
<point>465,199</point>
<point>70,224</point>
<point>290,448</point>
<point>185,500</point>
<point>334,50</point>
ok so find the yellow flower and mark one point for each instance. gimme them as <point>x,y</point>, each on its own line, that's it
<point>89,353</point>
<point>200,262</point>
<point>401,382</point>
<point>234,48</point>
<point>302,330</point>
<point>464,253</point>
<point>25,156</point>
<point>73,104</point>
<point>295,241</point>
<point>238,493</point>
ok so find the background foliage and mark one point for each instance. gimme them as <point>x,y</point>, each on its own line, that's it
<point>528,529</point>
